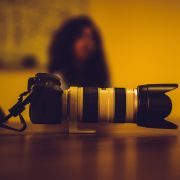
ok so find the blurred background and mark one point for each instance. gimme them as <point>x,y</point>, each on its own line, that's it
<point>141,40</point>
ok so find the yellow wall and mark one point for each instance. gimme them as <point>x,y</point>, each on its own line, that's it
<point>142,43</point>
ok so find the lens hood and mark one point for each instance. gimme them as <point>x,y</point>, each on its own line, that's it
<point>154,105</point>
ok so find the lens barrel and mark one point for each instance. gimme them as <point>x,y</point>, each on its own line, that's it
<point>147,105</point>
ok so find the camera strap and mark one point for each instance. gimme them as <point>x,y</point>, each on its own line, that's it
<point>22,128</point>
<point>16,110</point>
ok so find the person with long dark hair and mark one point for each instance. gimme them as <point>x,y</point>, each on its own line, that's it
<point>76,54</point>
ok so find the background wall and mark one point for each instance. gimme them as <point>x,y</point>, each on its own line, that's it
<point>141,40</point>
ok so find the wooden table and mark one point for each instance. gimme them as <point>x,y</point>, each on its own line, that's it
<point>132,153</point>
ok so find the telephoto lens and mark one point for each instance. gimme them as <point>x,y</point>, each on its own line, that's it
<point>146,105</point>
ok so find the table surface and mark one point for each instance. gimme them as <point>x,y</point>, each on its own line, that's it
<point>131,153</point>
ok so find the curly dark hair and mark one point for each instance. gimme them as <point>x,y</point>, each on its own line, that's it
<point>62,57</point>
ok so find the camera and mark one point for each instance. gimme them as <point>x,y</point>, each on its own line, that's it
<point>146,105</point>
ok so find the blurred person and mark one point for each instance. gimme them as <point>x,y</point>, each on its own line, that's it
<point>76,54</point>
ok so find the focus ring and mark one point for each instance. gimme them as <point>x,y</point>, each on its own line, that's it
<point>90,104</point>
<point>120,105</point>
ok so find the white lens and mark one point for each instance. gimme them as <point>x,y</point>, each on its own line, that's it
<point>73,104</point>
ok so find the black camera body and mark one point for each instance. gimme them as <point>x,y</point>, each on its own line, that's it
<point>45,106</point>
